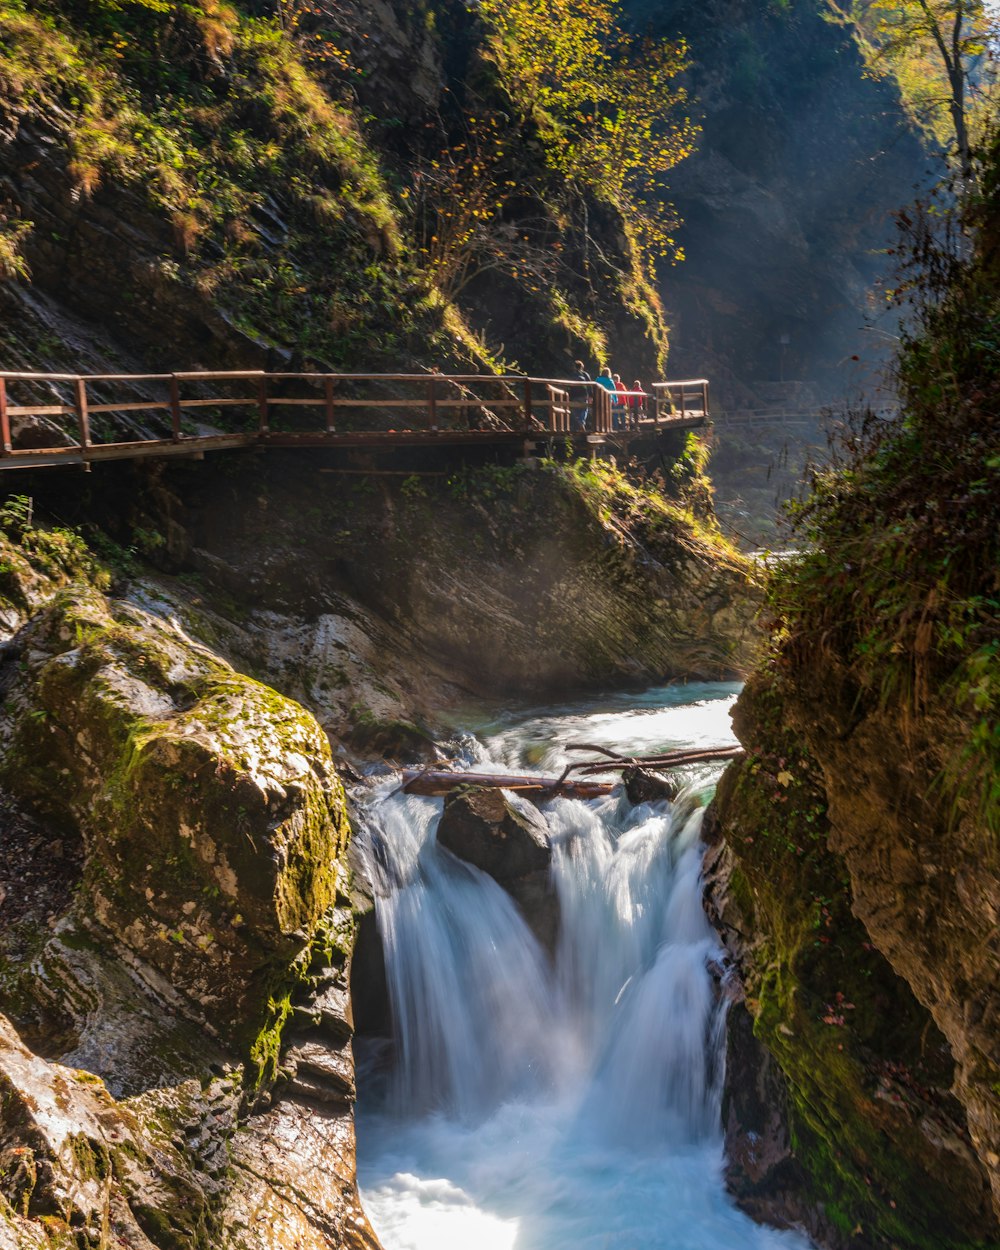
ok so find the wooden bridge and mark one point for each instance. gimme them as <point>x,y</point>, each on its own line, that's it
<point>76,419</point>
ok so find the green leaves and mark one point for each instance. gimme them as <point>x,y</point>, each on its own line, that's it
<point>938,52</point>
<point>608,105</point>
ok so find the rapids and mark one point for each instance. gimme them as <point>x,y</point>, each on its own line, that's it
<point>538,1107</point>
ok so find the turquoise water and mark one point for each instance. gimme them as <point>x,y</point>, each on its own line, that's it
<point>569,1104</point>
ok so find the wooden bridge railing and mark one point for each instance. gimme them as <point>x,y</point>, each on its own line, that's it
<point>158,412</point>
<point>675,401</point>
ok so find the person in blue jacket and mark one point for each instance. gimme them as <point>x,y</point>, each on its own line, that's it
<point>608,382</point>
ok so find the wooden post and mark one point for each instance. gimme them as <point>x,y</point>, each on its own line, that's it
<point>603,409</point>
<point>527,403</point>
<point>175,408</point>
<point>328,403</point>
<point>704,398</point>
<point>82,412</point>
<point>5,443</point>
<point>432,404</point>
<point>262,403</point>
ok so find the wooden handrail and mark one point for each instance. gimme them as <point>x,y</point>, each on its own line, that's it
<point>536,407</point>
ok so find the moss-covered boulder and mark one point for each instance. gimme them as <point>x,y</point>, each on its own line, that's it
<point>212,819</point>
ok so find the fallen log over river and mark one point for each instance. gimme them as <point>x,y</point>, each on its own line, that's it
<point>439,781</point>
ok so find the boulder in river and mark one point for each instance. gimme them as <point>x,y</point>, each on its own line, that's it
<point>643,785</point>
<point>505,837</point>
<point>502,835</point>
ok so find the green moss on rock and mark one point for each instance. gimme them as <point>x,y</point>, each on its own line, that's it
<point>881,1141</point>
<point>213,820</point>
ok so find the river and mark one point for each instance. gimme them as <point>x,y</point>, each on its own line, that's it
<point>566,1107</point>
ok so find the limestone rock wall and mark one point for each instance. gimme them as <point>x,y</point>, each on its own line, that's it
<point>861,972</point>
<point>182,1056</point>
<point>503,579</point>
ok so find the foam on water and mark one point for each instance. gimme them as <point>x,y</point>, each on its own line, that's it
<point>533,1107</point>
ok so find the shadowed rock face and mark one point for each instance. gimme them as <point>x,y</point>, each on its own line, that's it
<point>505,837</point>
<point>841,897</point>
<point>787,202</point>
<point>500,834</point>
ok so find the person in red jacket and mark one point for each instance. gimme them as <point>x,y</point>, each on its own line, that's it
<point>637,401</point>
<point>620,408</point>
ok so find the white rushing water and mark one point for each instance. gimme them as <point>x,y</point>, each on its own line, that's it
<point>565,1107</point>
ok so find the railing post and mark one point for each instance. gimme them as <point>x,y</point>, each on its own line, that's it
<point>704,398</point>
<point>432,404</point>
<point>82,411</point>
<point>5,441</point>
<point>175,408</point>
<point>262,403</point>
<point>527,403</point>
<point>328,404</point>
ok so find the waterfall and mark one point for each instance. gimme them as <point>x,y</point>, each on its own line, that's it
<point>474,1004</point>
<point>545,1103</point>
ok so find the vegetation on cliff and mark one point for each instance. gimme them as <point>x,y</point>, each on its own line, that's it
<point>880,702</point>
<point>939,52</point>
<point>255,157</point>
<point>897,579</point>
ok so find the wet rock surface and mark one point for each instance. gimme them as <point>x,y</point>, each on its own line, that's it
<point>644,785</point>
<point>505,837</point>
<point>164,908</point>
<point>497,832</point>
<point>74,1159</point>
<point>294,1183</point>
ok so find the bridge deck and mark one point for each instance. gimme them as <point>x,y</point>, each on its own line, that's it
<point>447,410</point>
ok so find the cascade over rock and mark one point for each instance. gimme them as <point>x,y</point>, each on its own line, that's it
<point>496,831</point>
<point>505,837</point>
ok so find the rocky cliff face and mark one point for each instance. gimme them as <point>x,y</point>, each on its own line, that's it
<point>841,902</point>
<point>379,600</point>
<point>175,950</point>
<point>226,189</point>
<point>855,878</point>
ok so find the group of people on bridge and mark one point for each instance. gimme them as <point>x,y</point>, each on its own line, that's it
<point>627,404</point>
